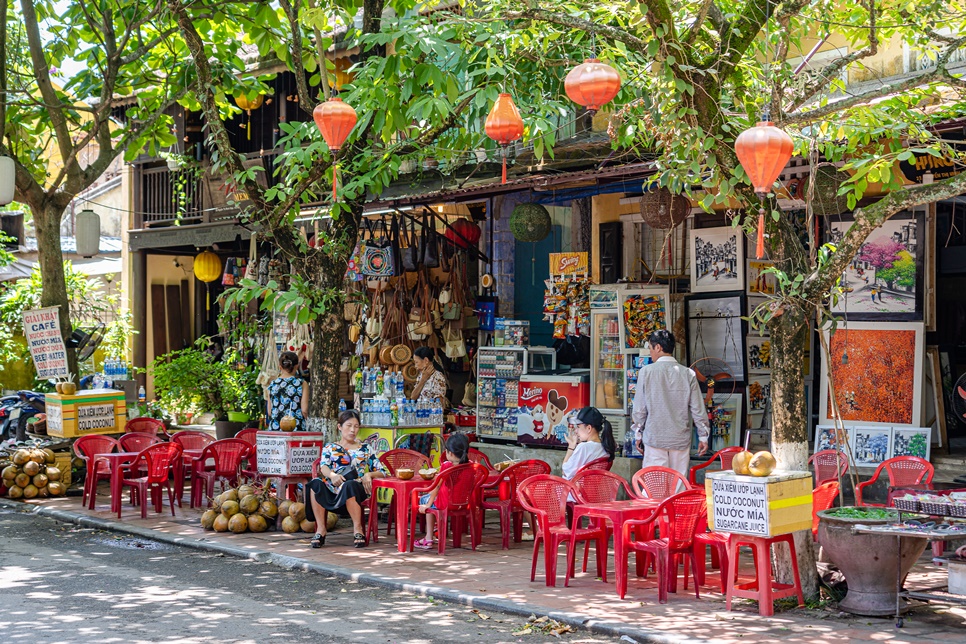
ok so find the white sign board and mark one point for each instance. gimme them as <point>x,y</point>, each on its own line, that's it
<point>271,455</point>
<point>287,454</point>
<point>41,327</point>
<point>739,506</point>
<point>302,458</point>
<point>55,419</point>
<point>91,417</point>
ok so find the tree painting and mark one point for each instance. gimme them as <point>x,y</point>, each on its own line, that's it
<point>876,380</point>
<point>901,273</point>
<point>911,443</point>
<point>881,254</point>
<point>871,446</point>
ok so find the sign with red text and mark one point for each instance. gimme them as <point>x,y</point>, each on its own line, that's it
<point>41,327</point>
<point>568,263</point>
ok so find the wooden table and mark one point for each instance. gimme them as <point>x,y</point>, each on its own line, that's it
<point>403,495</point>
<point>617,512</point>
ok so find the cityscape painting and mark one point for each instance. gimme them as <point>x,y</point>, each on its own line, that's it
<point>871,445</point>
<point>717,260</point>
<point>911,441</point>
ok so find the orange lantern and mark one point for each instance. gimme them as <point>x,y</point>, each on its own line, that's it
<point>592,84</point>
<point>335,120</point>
<point>763,151</point>
<point>249,105</point>
<point>504,124</point>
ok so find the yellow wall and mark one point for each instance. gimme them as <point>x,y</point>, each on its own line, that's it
<point>18,374</point>
<point>604,210</point>
<point>161,270</point>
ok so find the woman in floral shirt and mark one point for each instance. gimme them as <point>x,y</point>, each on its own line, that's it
<point>287,396</point>
<point>346,470</point>
<point>432,382</point>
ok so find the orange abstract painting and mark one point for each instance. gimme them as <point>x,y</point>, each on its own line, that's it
<point>877,382</point>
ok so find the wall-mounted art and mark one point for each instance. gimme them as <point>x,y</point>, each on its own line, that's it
<point>759,354</point>
<point>715,333</point>
<point>724,416</point>
<point>717,259</point>
<point>760,281</point>
<point>871,445</point>
<point>876,371</point>
<point>643,311</point>
<point>759,393</point>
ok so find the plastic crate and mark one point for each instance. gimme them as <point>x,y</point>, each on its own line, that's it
<point>906,505</point>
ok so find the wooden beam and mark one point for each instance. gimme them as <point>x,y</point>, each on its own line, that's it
<point>158,320</point>
<point>173,302</point>
<point>186,336</point>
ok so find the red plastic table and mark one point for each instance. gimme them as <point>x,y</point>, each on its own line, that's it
<point>403,493</point>
<point>116,462</point>
<point>188,458</point>
<point>617,512</point>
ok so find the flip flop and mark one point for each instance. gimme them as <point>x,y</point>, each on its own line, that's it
<point>318,540</point>
<point>359,540</point>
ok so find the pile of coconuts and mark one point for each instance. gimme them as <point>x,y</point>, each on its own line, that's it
<point>250,508</point>
<point>31,474</point>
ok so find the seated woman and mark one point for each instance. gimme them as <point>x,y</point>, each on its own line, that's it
<point>345,478</point>
<point>590,437</point>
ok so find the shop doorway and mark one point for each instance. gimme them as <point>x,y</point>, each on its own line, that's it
<point>531,268</point>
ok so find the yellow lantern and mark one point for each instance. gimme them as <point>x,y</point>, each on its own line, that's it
<point>243,102</point>
<point>207,268</point>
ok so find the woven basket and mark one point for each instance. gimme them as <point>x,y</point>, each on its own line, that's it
<point>957,510</point>
<point>410,372</point>
<point>906,505</point>
<point>660,209</point>
<point>385,356</point>
<point>401,354</point>
<point>933,508</point>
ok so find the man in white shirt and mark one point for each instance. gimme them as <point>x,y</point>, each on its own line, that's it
<point>667,404</point>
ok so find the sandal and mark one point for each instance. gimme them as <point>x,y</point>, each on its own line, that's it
<point>359,540</point>
<point>318,540</point>
<point>423,544</point>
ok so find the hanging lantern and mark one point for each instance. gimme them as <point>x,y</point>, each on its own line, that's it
<point>530,222</point>
<point>207,268</point>
<point>463,232</point>
<point>341,76</point>
<point>504,124</point>
<point>335,120</point>
<point>87,233</point>
<point>8,176</point>
<point>243,102</point>
<point>763,151</point>
<point>592,84</point>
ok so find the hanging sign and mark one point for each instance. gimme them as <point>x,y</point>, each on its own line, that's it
<point>41,327</point>
<point>568,263</point>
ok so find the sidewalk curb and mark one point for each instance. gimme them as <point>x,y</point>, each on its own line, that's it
<point>474,600</point>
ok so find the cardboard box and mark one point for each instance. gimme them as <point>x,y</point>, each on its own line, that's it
<point>764,506</point>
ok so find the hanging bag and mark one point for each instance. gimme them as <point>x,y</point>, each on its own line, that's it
<point>377,254</point>
<point>429,244</point>
<point>394,243</point>
<point>251,268</point>
<point>455,346</point>
<point>410,254</point>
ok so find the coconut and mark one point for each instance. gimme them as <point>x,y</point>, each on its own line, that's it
<point>740,462</point>
<point>238,523</point>
<point>331,520</point>
<point>43,492</point>
<point>21,456</point>
<point>762,464</point>
<point>10,472</point>
<point>38,456</point>
<point>257,523</point>
<point>216,503</point>
<point>57,488</point>
<point>22,480</point>
<point>307,526</point>
<point>287,424</point>
<point>48,455</point>
<point>245,490</point>
<point>15,492</point>
<point>221,523</point>
<point>40,480</point>
<point>249,504</point>
<point>297,511</point>
<point>290,525</point>
<point>30,491</point>
<point>283,507</point>
<point>53,473</point>
<point>31,468</point>
<point>230,508</point>
<point>230,494</point>
<point>208,519</point>
<point>268,509</point>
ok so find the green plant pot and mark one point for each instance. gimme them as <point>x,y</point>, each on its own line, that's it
<point>238,417</point>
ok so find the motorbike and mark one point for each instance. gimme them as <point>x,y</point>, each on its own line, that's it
<point>16,410</point>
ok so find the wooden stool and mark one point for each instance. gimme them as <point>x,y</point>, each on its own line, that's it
<point>764,589</point>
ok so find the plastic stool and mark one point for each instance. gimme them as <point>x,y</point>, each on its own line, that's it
<point>718,542</point>
<point>764,589</point>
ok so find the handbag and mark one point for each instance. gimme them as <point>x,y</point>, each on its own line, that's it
<point>471,320</point>
<point>376,260</point>
<point>455,346</point>
<point>452,311</point>
<point>429,245</point>
<point>251,268</point>
<point>397,258</point>
<point>410,254</point>
<point>469,395</point>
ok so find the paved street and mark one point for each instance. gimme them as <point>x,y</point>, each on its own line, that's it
<point>62,583</point>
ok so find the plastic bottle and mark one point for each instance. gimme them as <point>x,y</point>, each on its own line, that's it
<point>142,395</point>
<point>365,381</point>
<point>357,381</point>
<point>437,412</point>
<point>366,412</point>
<point>342,405</point>
<point>380,382</point>
<point>394,414</point>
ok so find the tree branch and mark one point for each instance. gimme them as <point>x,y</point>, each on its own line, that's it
<point>306,104</point>
<point>699,19</point>
<point>320,52</point>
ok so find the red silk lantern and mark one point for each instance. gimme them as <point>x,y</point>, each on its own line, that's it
<point>763,151</point>
<point>592,84</point>
<point>504,124</point>
<point>335,120</point>
<point>463,232</point>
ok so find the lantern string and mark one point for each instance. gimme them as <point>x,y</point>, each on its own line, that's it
<point>760,247</point>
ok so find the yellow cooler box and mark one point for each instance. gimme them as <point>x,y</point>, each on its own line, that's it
<point>98,411</point>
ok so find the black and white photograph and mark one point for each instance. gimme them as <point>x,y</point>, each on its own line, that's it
<point>883,278</point>
<point>715,332</point>
<point>871,445</point>
<point>717,259</point>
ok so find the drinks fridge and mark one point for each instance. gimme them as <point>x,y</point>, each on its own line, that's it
<point>610,368</point>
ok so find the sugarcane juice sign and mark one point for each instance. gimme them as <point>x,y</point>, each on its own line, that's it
<point>740,507</point>
<point>41,328</point>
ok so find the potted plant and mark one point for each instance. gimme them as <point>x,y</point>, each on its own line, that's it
<point>241,394</point>
<point>868,561</point>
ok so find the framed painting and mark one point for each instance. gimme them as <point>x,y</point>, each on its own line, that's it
<point>717,260</point>
<point>754,301</point>
<point>759,354</point>
<point>759,392</point>
<point>911,441</point>
<point>871,445</point>
<point>760,282</point>
<point>884,279</point>
<point>877,371</point>
<point>716,335</point>
<point>826,438</point>
<point>643,311</point>
<point>724,415</point>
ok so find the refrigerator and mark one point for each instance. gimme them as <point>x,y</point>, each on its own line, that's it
<point>499,371</point>
<point>546,401</point>
<point>611,372</point>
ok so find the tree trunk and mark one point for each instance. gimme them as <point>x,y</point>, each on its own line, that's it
<point>789,337</point>
<point>328,342</point>
<point>54,292</point>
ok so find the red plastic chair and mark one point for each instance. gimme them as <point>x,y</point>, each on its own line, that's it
<point>823,497</point>
<point>602,463</point>
<point>902,471</point>
<point>598,486</point>
<point>658,483</point>
<point>506,501</point>
<point>146,426</point>
<point>830,464</point>
<point>251,472</point>
<point>192,440</point>
<point>545,498</point>
<point>476,456</point>
<point>718,542</point>
<point>157,460</point>
<point>86,448</point>
<point>227,455</point>
<point>727,455</point>
<point>137,441</point>
<point>683,513</point>
<point>396,459</point>
<point>463,484</point>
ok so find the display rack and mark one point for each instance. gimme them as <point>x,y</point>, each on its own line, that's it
<point>499,370</point>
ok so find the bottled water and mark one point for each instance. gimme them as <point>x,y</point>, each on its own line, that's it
<point>342,406</point>
<point>437,417</point>
<point>367,413</point>
<point>365,382</point>
<point>394,414</point>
